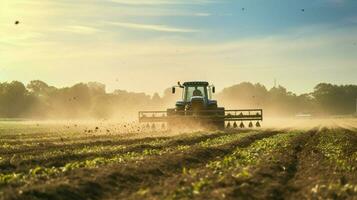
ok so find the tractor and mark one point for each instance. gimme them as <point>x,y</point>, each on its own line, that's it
<point>197,108</point>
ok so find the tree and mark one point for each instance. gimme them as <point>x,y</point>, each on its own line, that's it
<point>242,95</point>
<point>334,99</point>
<point>15,99</point>
<point>39,88</point>
<point>96,88</point>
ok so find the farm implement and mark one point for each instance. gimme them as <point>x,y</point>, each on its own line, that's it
<point>198,108</point>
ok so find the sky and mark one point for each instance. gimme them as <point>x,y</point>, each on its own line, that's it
<point>149,45</point>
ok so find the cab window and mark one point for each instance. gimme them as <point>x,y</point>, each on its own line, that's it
<point>194,91</point>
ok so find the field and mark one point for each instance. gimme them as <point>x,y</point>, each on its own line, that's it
<point>103,160</point>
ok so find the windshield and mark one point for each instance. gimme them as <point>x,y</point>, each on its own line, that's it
<point>194,91</point>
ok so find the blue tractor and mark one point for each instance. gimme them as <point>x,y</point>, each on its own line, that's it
<point>198,108</point>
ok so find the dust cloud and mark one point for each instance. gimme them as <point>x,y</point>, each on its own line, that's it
<point>90,103</point>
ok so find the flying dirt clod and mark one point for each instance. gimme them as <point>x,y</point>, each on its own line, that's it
<point>197,109</point>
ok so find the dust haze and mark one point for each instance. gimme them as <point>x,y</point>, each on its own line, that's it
<point>90,101</point>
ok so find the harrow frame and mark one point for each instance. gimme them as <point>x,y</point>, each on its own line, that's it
<point>211,115</point>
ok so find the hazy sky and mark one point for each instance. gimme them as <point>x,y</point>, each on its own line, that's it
<point>148,45</point>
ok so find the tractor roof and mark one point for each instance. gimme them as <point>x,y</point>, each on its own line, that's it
<point>195,83</point>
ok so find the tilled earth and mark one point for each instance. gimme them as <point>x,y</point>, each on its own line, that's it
<point>42,161</point>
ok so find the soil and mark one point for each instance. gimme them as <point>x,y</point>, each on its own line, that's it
<point>300,170</point>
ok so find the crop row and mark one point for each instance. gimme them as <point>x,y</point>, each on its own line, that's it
<point>238,166</point>
<point>47,172</point>
<point>108,148</point>
<point>335,146</point>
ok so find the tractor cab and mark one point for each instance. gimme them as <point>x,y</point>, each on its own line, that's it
<point>197,92</point>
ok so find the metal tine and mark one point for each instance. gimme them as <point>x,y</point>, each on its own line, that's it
<point>241,125</point>
<point>257,124</point>
<point>235,125</point>
<point>229,125</point>
<point>250,125</point>
<point>153,126</point>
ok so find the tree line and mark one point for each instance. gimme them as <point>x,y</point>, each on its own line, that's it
<point>326,99</point>
<point>90,100</point>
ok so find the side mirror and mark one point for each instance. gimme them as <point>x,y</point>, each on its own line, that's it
<point>213,89</point>
<point>173,90</point>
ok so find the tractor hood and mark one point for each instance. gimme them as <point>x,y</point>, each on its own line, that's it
<point>198,100</point>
